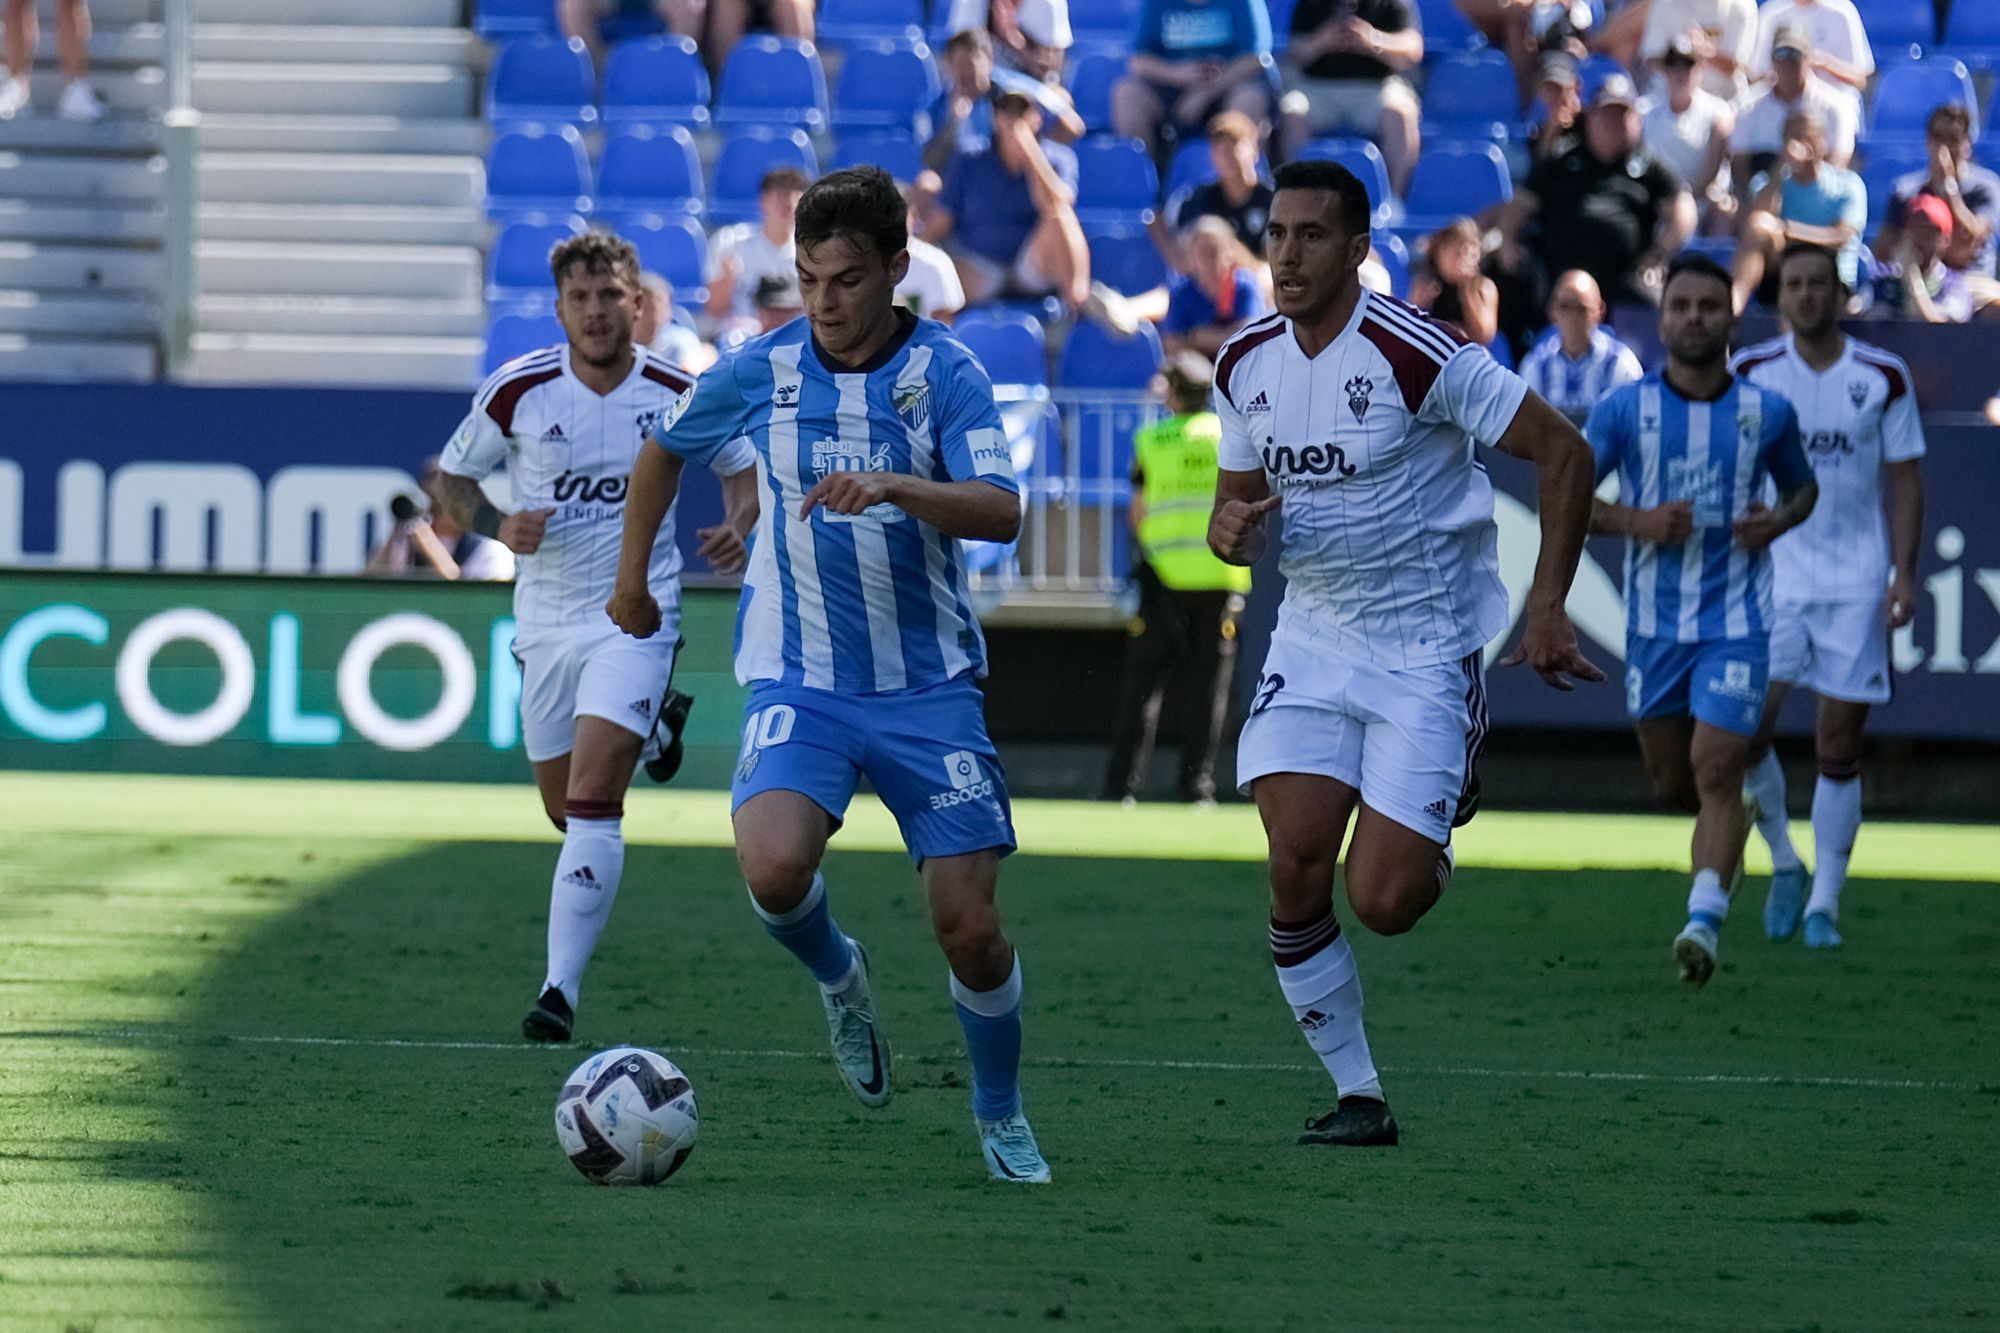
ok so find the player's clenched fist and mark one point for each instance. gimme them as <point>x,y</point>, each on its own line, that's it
<point>635,611</point>
<point>724,549</point>
<point>1236,529</point>
<point>522,533</point>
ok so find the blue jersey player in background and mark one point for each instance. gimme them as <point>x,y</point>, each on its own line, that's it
<point>878,447</point>
<point>1692,445</point>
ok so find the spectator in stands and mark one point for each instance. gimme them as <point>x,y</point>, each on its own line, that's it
<point>1721,33</point>
<point>1029,36</point>
<point>1219,293</point>
<point>1607,207</point>
<point>1452,288</point>
<point>778,301</point>
<point>1239,194</point>
<point>1578,361</point>
<point>1558,108</point>
<point>1528,30</point>
<point>1840,51</point>
<point>1345,66</point>
<point>1690,129</point>
<point>728,20</point>
<point>1619,32</point>
<point>1806,198</point>
<point>962,118</point>
<point>1183,642</point>
<point>657,330</point>
<point>1191,59</point>
<point>1760,130</point>
<point>430,543</point>
<point>1970,191</point>
<point>1916,283</point>
<point>587,19</point>
<point>743,255</point>
<point>79,101</point>
<point>931,287</point>
<point>1007,213</point>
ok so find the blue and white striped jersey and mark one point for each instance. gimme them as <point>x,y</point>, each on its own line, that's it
<point>1574,388</point>
<point>859,603</point>
<point>1715,455</point>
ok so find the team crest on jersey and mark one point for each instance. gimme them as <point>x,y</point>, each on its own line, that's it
<point>913,405</point>
<point>785,396</point>
<point>646,421</point>
<point>1857,392</point>
<point>1359,389</point>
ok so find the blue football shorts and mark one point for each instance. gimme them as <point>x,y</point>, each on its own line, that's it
<point>925,751</point>
<point>1720,681</point>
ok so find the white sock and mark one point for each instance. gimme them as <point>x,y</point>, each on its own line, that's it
<point>586,884</point>
<point>1707,899</point>
<point>1317,973</point>
<point>1836,819</point>
<point>1766,782</point>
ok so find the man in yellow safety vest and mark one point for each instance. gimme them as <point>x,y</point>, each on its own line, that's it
<point>1183,641</point>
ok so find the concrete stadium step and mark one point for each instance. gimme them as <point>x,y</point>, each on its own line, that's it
<point>72,313</point>
<point>359,13</point>
<point>436,272</point>
<point>341,89</point>
<point>108,14</point>
<point>127,92</point>
<point>237,132</point>
<point>351,224</point>
<point>38,358</point>
<point>36,266</point>
<point>237,358</point>
<point>112,136</point>
<point>341,178</point>
<point>54,176</point>
<point>341,316</point>
<point>80,220</point>
<point>145,44</point>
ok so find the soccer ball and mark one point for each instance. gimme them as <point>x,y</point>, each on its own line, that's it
<point>627,1117</point>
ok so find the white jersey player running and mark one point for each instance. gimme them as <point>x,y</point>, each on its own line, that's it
<point>1359,415</point>
<point>567,423</point>
<point>1841,582</point>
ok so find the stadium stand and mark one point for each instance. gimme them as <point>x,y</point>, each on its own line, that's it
<point>1095,358</point>
<point>1453,180</point>
<point>1365,160</point>
<point>498,20</point>
<point>1091,78</point>
<point>886,85</point>
<point>1009,343</point>
<point>656,80</point>
<point>1894,26</point>
<point>675,248</point>
<point>517,272</point>
<point>650,171</point>
<point>1907,93</point>
<point>1116,184</point>
<point>1470,95</point>
<point>537,170</point>
<point>1127,261</point>
<point>541,81</point>
<point>844,23</point>
<point>896,153</point>
<point>740,169</point>
<point>772,81</point>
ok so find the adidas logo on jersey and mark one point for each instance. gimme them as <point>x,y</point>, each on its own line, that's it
<point>1261,403</point>
<point>554,435</point>
<point>643,707</point>
<point>582,878</point>
<point>1435,809</point>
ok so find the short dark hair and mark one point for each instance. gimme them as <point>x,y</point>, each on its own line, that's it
<point>1699,264</point>
<point>1336,180</point>
<point>970,39</point>
<point>860,202</point>
<point>1950,121</point>
<point>1805,249</point>
<point>598,252</point>
<point>786,179</point>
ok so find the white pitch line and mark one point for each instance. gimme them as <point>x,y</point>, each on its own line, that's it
<point>134,1037</point>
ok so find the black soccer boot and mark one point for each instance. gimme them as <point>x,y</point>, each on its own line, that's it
<point>1357,1122</point>
<point>551,1019</point>
<point>674,708</point>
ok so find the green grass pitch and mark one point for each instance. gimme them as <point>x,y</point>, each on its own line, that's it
<point>258,1070</point>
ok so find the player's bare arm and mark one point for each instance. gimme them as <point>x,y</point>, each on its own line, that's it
<point>462,498</point>
<point>1565,470</point>
<point>1906,530</point>
<point>974,510</point>
<point>656,479</point>
<point>1761,526</point>
<point>1236,525</point>
<point>726,546</point>
<point>1663,525</point>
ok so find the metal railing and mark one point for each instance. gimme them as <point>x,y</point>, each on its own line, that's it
<point>182,126</point>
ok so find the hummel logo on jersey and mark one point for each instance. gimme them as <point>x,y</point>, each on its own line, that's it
<point>582,878</point>
<point>643,707</point>
<point>1435,809</point>
<point>785,395</point>
<point>1313,1020</point>
<point>1359,390</point>
<point>554,435</point>
<point>1260,403</point>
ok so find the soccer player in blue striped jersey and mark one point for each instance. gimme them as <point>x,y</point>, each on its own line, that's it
<point>878,448</point>
<point>1692,446</point>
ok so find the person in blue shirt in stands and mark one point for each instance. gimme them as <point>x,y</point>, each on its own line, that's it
<point>1007,213</point>
<point>1219,293</point>
<point>1192,59</point>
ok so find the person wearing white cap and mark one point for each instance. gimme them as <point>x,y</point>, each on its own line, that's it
<point>1840,51</point>
<point>1723,33</point>
<point>1794,87</point>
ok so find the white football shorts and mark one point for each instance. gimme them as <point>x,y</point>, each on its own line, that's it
<point>1836,649</point>
<point>596,671</point>
<point>1409,741</point>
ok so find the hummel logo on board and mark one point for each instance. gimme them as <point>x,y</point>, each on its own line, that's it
<point>1261,403</point>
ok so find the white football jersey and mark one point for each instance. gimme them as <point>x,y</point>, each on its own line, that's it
<point>1857,415</point>
<point>1389,548</point>
<point>570,449</point>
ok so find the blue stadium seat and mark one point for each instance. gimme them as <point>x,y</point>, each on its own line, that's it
<point>897,154</point>
<point>1105,22</point>
<point>1096,358</point>
<point>1091,79</point>
<point>537,170</point>
<point>656,80</point>
<point>1455,180</point>
<point>517,272</point>
<point>1445,29</point>
<point>886,86</point>
<point>542,81</point>
<point>1364,159</point>
<point>1894,26</point>
<point>1906,94</point>
<point>1008,343</point>
<point>510,336</point>
<point>1973,32</point>
<point>1471,95</point>
<point>1395,257</point>
<point>503,19</point>
<point>649,171</point>
<point>739,171</point>
<point>847,22</point>
<point>1124,260</point>
<point>1281,25</point>
<point>1192,165</point>
<point>676,249</point>
<point>772,81</point>
<point>1116,184</point>
<point>1880,176</point>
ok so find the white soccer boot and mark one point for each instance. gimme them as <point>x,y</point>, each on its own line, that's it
<point>860,1047</point>
<point>1695,952</point>
<point>1008,1146</point>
